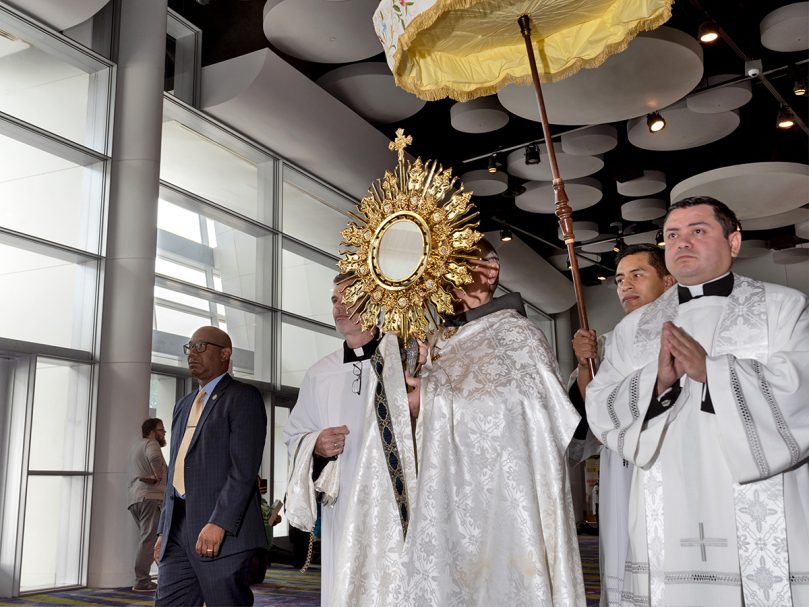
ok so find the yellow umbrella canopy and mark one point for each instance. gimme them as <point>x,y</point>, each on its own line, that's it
<point>465,49</point>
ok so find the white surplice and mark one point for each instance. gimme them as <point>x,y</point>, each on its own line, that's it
<point>719,511</point>
<point>489,519</point>
<point>614,484</point>
<point>327,399</point>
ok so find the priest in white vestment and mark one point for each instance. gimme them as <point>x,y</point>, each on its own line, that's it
<point>328,418</point>
<point>488,520</point>
<point>706,392</point>
<point>640,278</point>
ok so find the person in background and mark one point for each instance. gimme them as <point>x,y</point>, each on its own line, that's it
<point>147,484</point>
<point>640,278</point>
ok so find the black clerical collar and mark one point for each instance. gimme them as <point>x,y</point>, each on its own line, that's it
<point>350,356</point>
<point>721,287</point>
<point>510,301</point>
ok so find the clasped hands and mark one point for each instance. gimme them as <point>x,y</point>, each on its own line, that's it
<point>680,354</point>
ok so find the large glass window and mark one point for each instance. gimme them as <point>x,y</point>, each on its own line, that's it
<point>301,347</point>
<point>53,84</point>
<point>58,473</point>
<point>60,425</point>
<point>307,282</point>
<point>52,295</point>
<point>55,509</point>
<point>51,196</point>
<point>304,199</point>
<point>55,137</point>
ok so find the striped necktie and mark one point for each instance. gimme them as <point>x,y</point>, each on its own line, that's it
<point>179,465</point>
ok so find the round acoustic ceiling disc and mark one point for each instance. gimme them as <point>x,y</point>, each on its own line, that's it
<point>802,230</point>
<point>657,68</point>
<point>720,98</point>
<point>775,221</point>
<point>641,238</point>
<point>651,182</point>
<point>753,248</point>
<point>757,189</point>
<point>570,166</point>
<point>561,261</point>
<point>604,244</point>
<point>482,115</point>
<point>368,89</point>
<point>588,142</point>
<point>684,129</point>
<point>538,196</point>
<point>786,29</point>
<point>643,209</point>
<point>322,32</point>
<point>582,231</point>
<point>790,256</point>
<point>484,183</point>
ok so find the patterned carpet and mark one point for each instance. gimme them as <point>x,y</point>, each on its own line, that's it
<point>283,586</point>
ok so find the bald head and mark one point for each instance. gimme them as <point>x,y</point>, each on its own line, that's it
<point>215,359</point>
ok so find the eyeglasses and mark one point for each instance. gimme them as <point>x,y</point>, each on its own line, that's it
<point>199,346</point>
<point>356,385</point>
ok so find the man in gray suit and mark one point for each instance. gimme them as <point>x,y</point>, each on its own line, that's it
<point>147,484</point>
<point>211,522</point>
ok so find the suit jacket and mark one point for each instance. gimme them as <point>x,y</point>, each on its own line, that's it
<point>221,466</point>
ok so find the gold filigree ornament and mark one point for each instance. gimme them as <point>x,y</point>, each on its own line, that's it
<point>410,246</point>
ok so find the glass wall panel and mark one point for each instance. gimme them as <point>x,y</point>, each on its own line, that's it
<point>307,286</point>
<point>53,532</point>
<point>214,254</point>
<point>50,197</point>
<point>60,424</point>
<point>162,397</point>
<point>300,349</point>
<point>65,94</point>
<point>300,207</point>
<point>209,170</point>
<point>51,300</point>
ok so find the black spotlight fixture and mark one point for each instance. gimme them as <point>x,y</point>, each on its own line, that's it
<point>659,239</point>
<point>492,163</point>
<point>532,153</point>
<point>505,235</point>
<point>799,88</point>
<point>619,245</point>
<point>655,122</point>
<point>786,119</point>
<point>708,32</point>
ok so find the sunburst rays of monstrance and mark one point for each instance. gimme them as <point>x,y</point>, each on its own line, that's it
<point>423,205</point>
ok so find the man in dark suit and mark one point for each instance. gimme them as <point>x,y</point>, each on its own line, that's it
<point>211,521</point>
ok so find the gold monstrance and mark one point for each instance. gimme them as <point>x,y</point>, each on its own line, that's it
<point>410,246</point>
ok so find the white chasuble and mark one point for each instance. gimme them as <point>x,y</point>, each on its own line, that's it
<point>719,511</point>
<point>328,398</point>
<point>490,516</point>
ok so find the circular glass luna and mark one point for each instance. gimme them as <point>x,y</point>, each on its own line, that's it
<point>400,250</point>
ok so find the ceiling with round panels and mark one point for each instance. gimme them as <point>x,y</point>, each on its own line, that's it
<point>720,136</point>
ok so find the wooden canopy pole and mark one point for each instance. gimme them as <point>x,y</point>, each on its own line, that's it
<point>563,210</point>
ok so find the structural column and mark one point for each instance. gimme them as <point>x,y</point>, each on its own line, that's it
<point>126,332</point>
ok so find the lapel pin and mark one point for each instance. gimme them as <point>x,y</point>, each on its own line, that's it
<point>214,397</point>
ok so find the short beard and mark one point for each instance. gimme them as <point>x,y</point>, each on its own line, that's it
<point>161,441</point>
